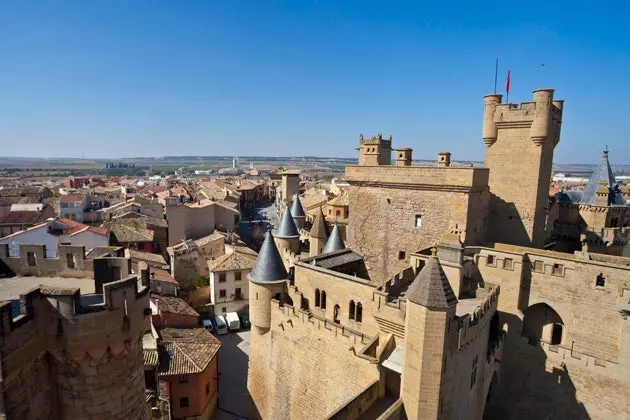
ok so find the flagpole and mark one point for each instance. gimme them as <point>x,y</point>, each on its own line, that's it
<point>496,75</point>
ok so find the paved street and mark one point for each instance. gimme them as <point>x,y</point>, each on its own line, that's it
<point>233,357</point>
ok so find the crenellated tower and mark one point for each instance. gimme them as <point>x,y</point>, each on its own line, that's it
<point>520,141</point>
<point>375,151</point>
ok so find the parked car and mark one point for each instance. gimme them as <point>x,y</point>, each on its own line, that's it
<point>245,321</point>
<point>233,323</point>
<point>208,325</point>
<point>221,325</point>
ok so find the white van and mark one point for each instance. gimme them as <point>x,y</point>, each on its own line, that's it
<point>221,325</point>
<point>232,321</point>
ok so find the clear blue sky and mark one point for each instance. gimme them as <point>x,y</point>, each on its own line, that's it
<point>113,78</point>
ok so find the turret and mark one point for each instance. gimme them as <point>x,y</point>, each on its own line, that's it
<point>430,309</point>
<point>403,157</point>
<point>319,234</point>
<point>489,127</point>
<point>266,281</point>
<point>375,151</point>
<point>542,116</point>
<point>287,236</point>
<point>297,212</point>
<point>334,243</point>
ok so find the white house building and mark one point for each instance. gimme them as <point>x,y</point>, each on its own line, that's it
<point>229,291</point>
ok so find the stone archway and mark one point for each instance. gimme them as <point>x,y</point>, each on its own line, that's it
<point>542,323</point>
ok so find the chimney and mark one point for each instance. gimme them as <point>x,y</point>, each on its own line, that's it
<point>444,159</point>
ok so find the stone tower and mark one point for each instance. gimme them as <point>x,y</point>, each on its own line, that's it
<point>375,151</point>
<point>266,280</point>
<point>519,153</point>
<point>297,212</point>
<point>287,237</point>
<point>319,234</point>
<point>430,310</point>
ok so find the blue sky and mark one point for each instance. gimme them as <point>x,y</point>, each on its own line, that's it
<point>152,78</point>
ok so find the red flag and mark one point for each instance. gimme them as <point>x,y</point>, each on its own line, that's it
<point>507,83</point>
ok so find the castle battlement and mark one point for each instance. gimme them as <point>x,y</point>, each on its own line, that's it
<point>473,324</point>
<point>286,316</point>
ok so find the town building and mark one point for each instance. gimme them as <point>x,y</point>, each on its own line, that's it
<point>196,220</point>
<point>81,208</point>
<point>189,259</point>
<point>229,288</point>
<point>23,216</point>
<point>26,194</point>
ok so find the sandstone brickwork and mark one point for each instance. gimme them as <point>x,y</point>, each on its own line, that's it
<point>62,359</point>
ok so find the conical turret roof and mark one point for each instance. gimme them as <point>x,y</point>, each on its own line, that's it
<point>287,228</point>
<point>269,267</point>
<point>603,175</point>
<point>296,208</point>
<point>319,228</point>
<point>431,287</point>
<point>334,243</point>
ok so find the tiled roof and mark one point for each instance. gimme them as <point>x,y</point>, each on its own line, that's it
<point>173,305</point>
<point>150,358</point>
<point>186,351</point>
<point>75,227</point>
<point>125,233</point>
<point>147,256</point>
<point>334,259</point>
<point>103,251</point>
<point>162,275</point>
<point>214,236</point>
<point>21,217</point>
<point>319,228</point>
<point>232,262</point>
<point>341,200</point>
<point>310,202</point>
<point>431,287</point>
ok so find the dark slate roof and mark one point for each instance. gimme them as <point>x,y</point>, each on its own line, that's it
<point>603,173</point>
<point>269,267</point>
<point>570,197</point>
<point>296,208</point>
<point>319,228</point>
<point>431,287</point>
<point>287,228</point>
<point>334,259</point>
<point>334,243</point>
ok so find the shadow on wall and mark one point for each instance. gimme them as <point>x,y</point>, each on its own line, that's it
<point>526,388</point>
<point>505,223</point>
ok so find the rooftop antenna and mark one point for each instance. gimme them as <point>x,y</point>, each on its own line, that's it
<point>496,74</point>
<point>542,73</point>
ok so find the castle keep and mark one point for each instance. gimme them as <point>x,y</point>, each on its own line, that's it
<point>445,304</point>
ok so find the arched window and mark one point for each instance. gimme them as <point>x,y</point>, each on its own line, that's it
<point>323,300</point>
<point>351,310</point>
<point>336,314</point>
<point>317,298</point>
<point>359,313</point>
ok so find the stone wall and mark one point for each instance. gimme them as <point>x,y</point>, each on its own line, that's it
<point>289,374</point>
<point>586,375</point>
<point>63,360</point>
<point>32,261</point>
<point>386,202</point>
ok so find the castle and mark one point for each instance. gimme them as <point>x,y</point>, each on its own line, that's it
<point>449,301</point>
<point>66,354</point>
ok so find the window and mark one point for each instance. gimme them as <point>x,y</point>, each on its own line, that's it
<point>401,255</point>
<point>323,300</point>
<point>337,213</point>
<point>237,293</point>
<point>508,264</point>
<point>207,388</point>
<point>317,301</point>
<point>221,277</point>
<point>183,402</point>
<point>557,270</point>
<point>223,310</point>
<point>539,266</point>
<point>351,310</point>
<point>183,379</point>
<point>30,257</point>
<point>237,276</point>
<point>359,313</point>
<point>336,314</point>
<point>418,220</point>
<point>600,281</point>
<point>473,373</point>
<point>222,293</point>
<point>329,212</point>
<point>490,260</point>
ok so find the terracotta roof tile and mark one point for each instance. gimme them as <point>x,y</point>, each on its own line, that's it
<point>173,305</point>
<point>186,351</point>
